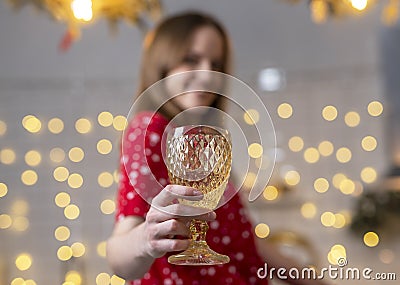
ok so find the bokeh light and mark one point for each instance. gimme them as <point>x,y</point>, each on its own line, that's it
<point>343,155</point>
<point>71,212</point>
<point>352,119</point>
<point>347,186</point>
<point>371,239</point>
<point>101,249</point>
<point>296,144</point>
<point>308,210</point>
<point>107,207</point>
<point>61,174</point>
<point>311,155</point>
<point>321,185</point>
<point>31,123</point>
<point>83,126</point>
<point>55,125</point>
<point>325,148</point>
<point>386,256</point>
<point>78,249</point>
<point>7,156</point>
<point>20,224</point>
<point>270,193</point>
<point>76,154</point>
<point>105,119</point>
<point>62,233</point>
<point>64,253</point>
<point>73,277</point>
<point>62,199</point>
<point>33,158</point>
<point>328,219</point>
<point>104,146</point>
<point>337,254</point>
<point>375,108</point>
<point>3,128</point>
<point>292,177</point>
<point>119,123</point>
<point>340,221</point>
<point>75,180</point>
<point>103,279</point>
<point>5,221</point>
<point>29,177</point>
<point>369,143</point>
<point>368,174</point>
<point>20,207</point>
<point>249,180</point>
<point>285,110</point>
<point>105,179</point>
<point>255,150</point>
<point>262,230</point>
<point>251,116</point>
<point>57,155</point>
<point>337,179</point>
<point>3,189</point>
<point>23,261</point>
<point>115,280</point>
<point>329,113</point>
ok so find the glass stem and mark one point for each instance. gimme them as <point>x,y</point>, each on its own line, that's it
<point>198,230</point>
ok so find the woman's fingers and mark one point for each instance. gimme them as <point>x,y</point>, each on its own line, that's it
<point>190,212</point>
<point>161,246</point>
<point>172,192</point>
<point>173,227</point>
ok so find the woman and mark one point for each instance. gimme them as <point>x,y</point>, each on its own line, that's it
<point>144,236</point>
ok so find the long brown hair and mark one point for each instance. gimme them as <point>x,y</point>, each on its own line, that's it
<point>166,46</point>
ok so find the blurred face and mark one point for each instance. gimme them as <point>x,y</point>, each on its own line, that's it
<point>205,53</point>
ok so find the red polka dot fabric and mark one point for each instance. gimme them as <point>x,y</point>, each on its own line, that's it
<point>143,174</point>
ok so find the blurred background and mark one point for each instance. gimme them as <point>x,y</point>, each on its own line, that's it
<point>327,70</point>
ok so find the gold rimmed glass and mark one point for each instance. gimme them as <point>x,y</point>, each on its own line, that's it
<point>199,157</point>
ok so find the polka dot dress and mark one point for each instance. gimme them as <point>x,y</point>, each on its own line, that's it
<point>143,174</point>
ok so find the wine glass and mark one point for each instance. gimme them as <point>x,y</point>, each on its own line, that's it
<point>200,157</point>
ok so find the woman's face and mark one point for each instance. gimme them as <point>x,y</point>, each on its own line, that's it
<point>205,53</point>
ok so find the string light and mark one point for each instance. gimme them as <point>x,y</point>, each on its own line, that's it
<point>105,119</point>
<point>255,150</point>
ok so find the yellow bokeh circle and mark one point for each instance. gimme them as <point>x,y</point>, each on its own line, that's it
<point>296,144</point>
<point>105,119</point>
<point>23,261</point>
<point>62,233</point>
<point>55,125</point>
<point>251,117</point>
<point>329,113</point>
<point>375,108</point>
<point>29,177</point>
<point>83,125</point>
<point>64,253</point>
<point>104,146</point>
<point>71,212</point>
<point>33,158</point>
<point>262,230</point>
<point>371,239</point>
<point>285,110</point>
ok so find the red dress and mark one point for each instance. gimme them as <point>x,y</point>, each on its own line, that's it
<point>230,234</point>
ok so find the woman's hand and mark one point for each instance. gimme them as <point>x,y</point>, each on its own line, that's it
<point>168,219</point>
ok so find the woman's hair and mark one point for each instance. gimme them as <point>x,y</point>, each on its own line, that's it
<point>166,46</point>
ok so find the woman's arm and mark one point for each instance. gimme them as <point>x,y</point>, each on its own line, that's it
<point>136,242</point>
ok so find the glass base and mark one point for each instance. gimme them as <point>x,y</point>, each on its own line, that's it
<point>198,253</point>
